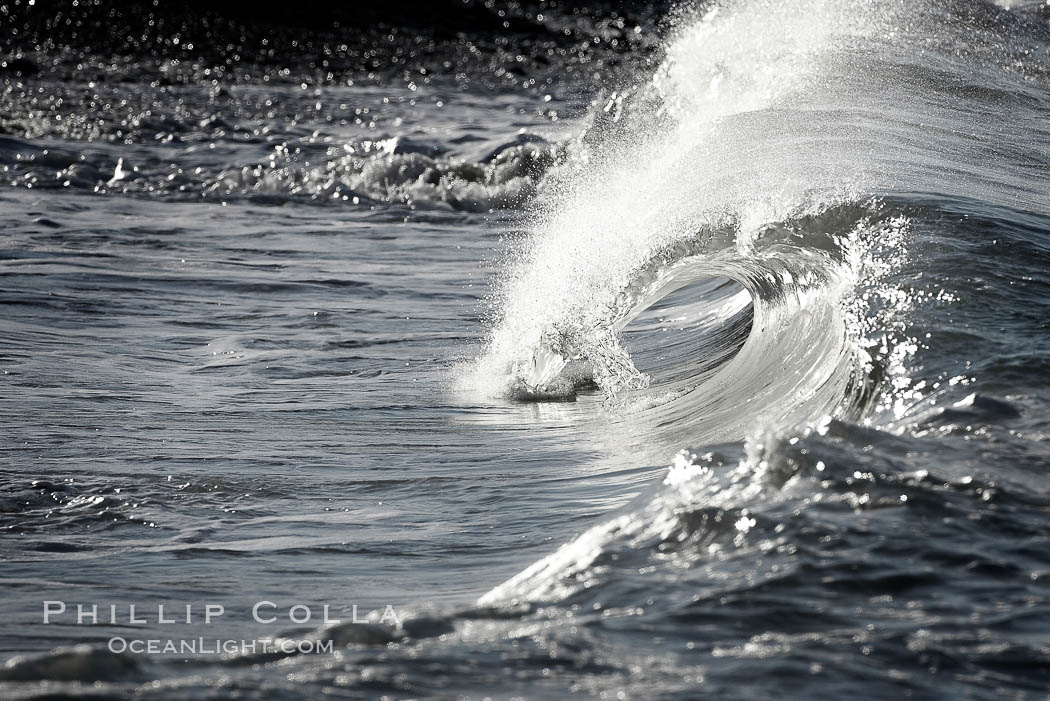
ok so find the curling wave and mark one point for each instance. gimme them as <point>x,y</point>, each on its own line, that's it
<point>723,262</point>
<point>698,176</point>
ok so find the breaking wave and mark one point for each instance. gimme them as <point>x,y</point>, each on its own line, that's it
<point>724,263</point>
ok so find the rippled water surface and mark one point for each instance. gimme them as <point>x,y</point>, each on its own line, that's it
<point>711,362</point>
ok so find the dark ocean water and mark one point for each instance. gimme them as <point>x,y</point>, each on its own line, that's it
<point>612,353</point>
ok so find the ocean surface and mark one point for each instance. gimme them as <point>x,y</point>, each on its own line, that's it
<point>657,355</point>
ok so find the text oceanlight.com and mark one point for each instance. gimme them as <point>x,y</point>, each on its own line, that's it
<point>215,646</point>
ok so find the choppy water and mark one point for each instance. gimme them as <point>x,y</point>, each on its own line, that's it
<point>719,371</point>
